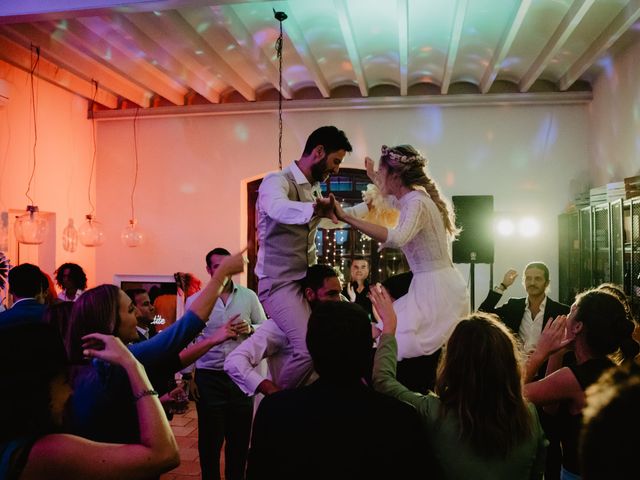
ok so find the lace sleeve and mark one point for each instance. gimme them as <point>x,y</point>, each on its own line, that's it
<point>413,216</point>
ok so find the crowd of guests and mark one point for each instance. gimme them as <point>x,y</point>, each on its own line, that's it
<point>93,384</point>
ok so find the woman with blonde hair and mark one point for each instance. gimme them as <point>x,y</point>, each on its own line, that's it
<point>437,296</point>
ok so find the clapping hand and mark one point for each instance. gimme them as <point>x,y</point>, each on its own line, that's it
<point>351,292</point>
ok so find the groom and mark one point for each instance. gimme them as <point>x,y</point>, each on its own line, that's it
<point>290,206</point>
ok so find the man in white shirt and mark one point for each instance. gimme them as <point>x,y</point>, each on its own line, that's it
<point>289,209</point>
<point>321,284</point>
<point>224,411</point>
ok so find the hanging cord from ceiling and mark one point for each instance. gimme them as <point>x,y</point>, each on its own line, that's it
<point>281,17</point>
<point>93,136</point>
<point>34,66</point>
<point>135,149</point>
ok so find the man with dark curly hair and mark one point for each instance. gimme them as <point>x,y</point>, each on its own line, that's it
<point>72,280</point>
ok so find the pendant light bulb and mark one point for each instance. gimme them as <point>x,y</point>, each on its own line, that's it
<point>132,235</point>
<point>31,228</point>
<point>70,237</point>
<point>91,233</point>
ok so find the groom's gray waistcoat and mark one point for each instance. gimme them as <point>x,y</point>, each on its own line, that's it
<point>289,249</point>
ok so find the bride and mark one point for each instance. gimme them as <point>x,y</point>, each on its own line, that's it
<point>437,298</point>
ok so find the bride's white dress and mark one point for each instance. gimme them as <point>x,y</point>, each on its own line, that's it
<point>438,297</point>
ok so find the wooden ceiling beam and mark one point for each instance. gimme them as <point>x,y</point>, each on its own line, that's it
<point>454,44</point>
<point>111,51</point>
<point>620,24</point>
<point>403,44</point>
<point>21,57</point>
<point>227,18</point>
<point>191,49</point>
<point>571,19</point>
<point>40,10</point>
<point>504,45</point>
<point>77,62</point>
<point>122,28</point>
<point>293,31</point>
<point>350,43</point>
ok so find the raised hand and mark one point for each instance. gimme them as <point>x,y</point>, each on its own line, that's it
<point>554,336</point>
<point>234,263</point>
<point>509,277</point>
<point>368,165</point>
<point>351,292</point>
<point>383,305</point>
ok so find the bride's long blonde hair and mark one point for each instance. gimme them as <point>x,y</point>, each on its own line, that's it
<point>410,165</point>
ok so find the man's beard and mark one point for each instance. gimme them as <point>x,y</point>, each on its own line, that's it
<point>319,170</point>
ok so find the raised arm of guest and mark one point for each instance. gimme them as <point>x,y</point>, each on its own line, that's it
<point>177,336</point>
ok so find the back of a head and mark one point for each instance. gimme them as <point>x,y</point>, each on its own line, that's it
<point>95,311</point>
<point>58,315</point>
<point>607,326</point>
<point>611,419</point>
<point>479,381</point>
<point>49,295</point>
<point>330,137</point>
<point>339,341</point>
<point>25,280</point>
<point>31,355</point>
<point>398,285</point>
<point>316,275</point>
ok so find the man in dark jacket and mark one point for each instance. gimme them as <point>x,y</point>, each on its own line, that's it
<point>24,285</point>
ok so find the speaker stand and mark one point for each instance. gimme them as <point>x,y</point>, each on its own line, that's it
<point>472,279</point>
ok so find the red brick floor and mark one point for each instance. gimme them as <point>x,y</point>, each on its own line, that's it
<point>185,428</point>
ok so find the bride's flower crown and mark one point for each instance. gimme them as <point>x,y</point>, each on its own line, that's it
<point>395,156</point>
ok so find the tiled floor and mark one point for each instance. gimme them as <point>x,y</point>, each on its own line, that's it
<point>185,428</point>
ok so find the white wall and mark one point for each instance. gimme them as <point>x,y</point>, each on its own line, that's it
<point>190,194</point>
<point>63,152</point>
<point>615,119</point>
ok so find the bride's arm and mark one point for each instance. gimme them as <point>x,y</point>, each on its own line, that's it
<point>377,232</point>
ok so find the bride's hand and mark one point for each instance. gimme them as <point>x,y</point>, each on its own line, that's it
<point>368,165</point>
<point>339,212</point>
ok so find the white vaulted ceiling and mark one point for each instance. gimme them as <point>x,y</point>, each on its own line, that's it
<point>198,52</point>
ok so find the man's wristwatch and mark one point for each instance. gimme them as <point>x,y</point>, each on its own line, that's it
<point>500,288</point>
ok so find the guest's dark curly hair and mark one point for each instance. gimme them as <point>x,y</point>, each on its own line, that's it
<point>77,275</point>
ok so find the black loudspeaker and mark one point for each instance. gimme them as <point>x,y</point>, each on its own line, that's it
<point>474,214</point>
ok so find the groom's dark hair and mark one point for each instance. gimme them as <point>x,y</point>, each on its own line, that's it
<point>331,138</point>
